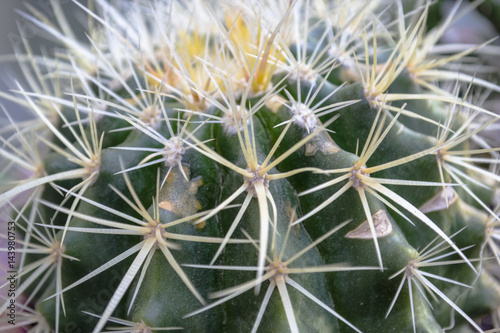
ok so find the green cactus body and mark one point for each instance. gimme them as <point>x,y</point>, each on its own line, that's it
<point>294,167</point>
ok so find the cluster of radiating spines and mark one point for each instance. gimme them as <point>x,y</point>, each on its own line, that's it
<point>278,272</point>
<point>182,55</point>
<point>409,58</point>
<point>155,236</point>
<point>35,276</point>
<point>192,75</point>
<point>224,72</point>
<point>415,277</point>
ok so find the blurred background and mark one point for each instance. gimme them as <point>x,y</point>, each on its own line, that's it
<point>11,23</point>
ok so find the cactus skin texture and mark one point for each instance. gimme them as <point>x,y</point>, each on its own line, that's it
<point>263,166</point>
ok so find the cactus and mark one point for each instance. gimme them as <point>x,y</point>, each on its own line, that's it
<point>261,166</point>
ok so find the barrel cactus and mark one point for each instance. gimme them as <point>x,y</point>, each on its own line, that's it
<point>271,166</point>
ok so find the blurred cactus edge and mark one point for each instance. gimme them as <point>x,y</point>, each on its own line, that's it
<point>251,166</point>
